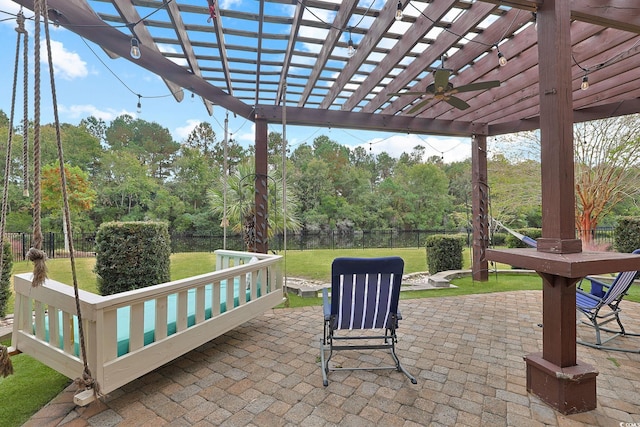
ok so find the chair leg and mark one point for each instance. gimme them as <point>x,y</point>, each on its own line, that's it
<point>326,341</point>
<point>600,343</point>
<point>324,365</point>
<point>396,359</point>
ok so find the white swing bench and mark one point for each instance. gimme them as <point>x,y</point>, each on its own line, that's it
<point>132,333</point>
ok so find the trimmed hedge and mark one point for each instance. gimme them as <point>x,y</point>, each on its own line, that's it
<point>626,235</point>
<point>132,255</point>
<point>444,253</point>
<point>5,279</point>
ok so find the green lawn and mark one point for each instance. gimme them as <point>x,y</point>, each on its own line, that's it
<point>311,264</point>
<point>31,387</point>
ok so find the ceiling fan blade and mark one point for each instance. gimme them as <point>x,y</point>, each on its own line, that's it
<point>457,102</point>
<point>477,86</point>
<point>419,106</point>
<point>441,79</point>
<point>405,93</point>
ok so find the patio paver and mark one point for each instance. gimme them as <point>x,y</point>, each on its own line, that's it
<point>466,352</point>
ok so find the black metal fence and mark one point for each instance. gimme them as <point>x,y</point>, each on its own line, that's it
<point>84,244</point>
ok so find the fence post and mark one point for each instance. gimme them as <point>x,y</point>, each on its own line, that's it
<point>52,245</point>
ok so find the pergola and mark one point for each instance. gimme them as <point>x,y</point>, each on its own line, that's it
<point>346,64</point>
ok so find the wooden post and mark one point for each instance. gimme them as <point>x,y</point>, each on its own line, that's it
<point>556,129</point>
<point>480,208</point>
<point>261,186</point>
<point>556,376</point>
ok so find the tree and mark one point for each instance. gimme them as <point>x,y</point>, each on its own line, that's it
<point>240,206</point>
<point>151,143</point>
<point>202,138</point>
<point>419,196</point>
<point>96,127</point>
<point>81,197</point>
<point>606,168</point>
<point>193,175</point>
<point>513,180</point>
<point>125,189</point>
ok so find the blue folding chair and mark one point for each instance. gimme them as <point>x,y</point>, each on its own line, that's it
<point>364,296</point>
<point>601,305</point>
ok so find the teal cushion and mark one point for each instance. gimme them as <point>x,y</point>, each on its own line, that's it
<point>124,317</point>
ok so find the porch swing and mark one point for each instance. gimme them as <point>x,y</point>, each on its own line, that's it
<point>115,339</point>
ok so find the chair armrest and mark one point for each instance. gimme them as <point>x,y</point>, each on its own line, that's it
<point>326,306</point>
<point>588,295</point>
<point>598,288</point>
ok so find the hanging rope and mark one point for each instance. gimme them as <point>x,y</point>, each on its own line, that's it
<point>25,110</point>
<point>86,381</point>
<point>6,367</point>
<point>36,254</point>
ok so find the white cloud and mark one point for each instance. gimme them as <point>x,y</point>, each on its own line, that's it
<point>182,132</point>
<point>165,48</point>
<point>10,8</point>
<point>246,137</point>
<point>67,65</point>
<point>86,110</point>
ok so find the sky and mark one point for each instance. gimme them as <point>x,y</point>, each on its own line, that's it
<point>89,83</point>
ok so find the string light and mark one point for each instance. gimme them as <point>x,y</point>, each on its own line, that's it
<point>502,60</point>
<point>350,49</point>
<point>585,82</point>
<point>399,11</point>
<point>135,48</point>
<point>139,106</point>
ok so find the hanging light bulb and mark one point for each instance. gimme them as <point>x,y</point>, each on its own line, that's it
<point>135,48</point>
<point>399,11</point>
<point>351,50</point>
<point>585,82</point>
<point>139,106</point>
<point>502,60</point>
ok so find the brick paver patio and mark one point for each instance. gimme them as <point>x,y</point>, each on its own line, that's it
<point>466,352</point>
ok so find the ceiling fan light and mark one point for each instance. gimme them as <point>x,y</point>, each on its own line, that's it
<point>585,83</point>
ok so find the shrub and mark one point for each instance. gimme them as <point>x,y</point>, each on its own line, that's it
<point>132,255</point>
<point>513,242</point>
<point>5,279</point>
<point>444,253</point>
<point>626,235</point>
<point>499,239</point>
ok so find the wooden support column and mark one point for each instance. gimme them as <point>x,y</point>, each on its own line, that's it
<point>556,376</point>
<point>261,186</point>
<point>479,208</point>
<point>556,129</point>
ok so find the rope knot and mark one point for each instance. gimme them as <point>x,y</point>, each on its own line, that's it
<point>6,367</point>
<point>38,257</point>
<point>20,20</point>
<point>86,382</point>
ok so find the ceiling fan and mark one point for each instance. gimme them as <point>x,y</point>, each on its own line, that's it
<point>443,90</point>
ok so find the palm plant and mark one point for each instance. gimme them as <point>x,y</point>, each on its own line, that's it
<point>240,206</point>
